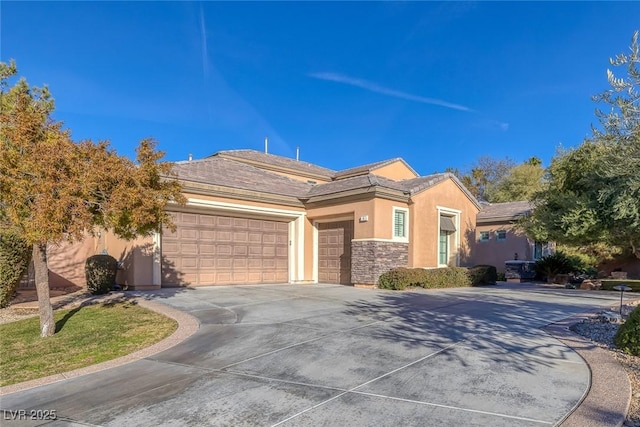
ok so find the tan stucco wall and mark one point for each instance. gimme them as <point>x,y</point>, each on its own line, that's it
<point>383,228</point>
<point>354,210</point>
<point>396,171</point>
<point>494,252</point>
<point>66,262</point>
<point>423,223</point>
<point>136,256</point>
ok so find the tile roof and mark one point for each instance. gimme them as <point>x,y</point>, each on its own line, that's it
<point>364,169</point>
<point>233,174</point>
<point>420,183</point>
<point>274,160</point>
<point>353,183</point>
<point>234,169</point>
<point>504,211</point>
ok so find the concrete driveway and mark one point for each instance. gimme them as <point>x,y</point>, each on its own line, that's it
<point>297,355</point>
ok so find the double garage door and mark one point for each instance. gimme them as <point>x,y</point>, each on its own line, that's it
<point>218,250</point>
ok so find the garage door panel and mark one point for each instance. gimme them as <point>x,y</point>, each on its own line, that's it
<point>206,220</point>
<point>188,248</point>
<point>224,250</point>
<point>206,235</point>
<point>207,249</point>
<point>188,234</point>
<point>240,264</point>
<point>240,223</point>
<point>210,249</point>
<point>240,237</point>
<point>223,236</point>
<point>240,277</point>
<point>223,222</point>
<point>240,251</point>
<point>206,263</point>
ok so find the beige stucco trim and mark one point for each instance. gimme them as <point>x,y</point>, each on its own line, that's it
<point>296,228</point>
<point>237,207</point>
<point>296,250</point>
<point>455,213</point>
<point>157,260</point>
<point>334,219</point>
<point>315,276</point>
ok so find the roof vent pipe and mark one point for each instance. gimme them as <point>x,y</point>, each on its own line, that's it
<point>266,145</point>
<point>297,153</point>
<point>190,156</point>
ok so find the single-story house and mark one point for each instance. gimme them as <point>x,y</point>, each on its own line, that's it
<point>253,217</point>
<point>497,239</point>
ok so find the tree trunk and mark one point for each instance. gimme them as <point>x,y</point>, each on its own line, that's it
<point>47,324</point>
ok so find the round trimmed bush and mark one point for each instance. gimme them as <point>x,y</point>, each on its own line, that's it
<point>15,255</point>
<point>627,338</point>
<point>100,271</point>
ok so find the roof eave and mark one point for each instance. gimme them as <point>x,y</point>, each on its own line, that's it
<point>375,191</point>
<point>195,187</point>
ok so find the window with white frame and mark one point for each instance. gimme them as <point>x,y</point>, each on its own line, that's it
<point>539,249</point>
<point>484,236</point>
<point>400,224</point>
<point>501,235</point>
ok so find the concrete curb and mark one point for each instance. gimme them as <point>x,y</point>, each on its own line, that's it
<point>607,400</point>
<point>187,326</point>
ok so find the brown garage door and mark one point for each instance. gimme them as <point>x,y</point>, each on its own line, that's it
<point>218,250</point>
<point>334,252</point>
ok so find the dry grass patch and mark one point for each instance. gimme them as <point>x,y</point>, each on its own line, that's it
<point>84,336</point>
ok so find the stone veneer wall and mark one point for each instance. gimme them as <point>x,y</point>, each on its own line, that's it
<point>371,258</point>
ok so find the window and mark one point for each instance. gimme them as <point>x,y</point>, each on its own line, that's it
<point>484,236</point>
<point>538,249</point>
<point>444,248</point>
<point>501,235</point>
<point>400,224</point>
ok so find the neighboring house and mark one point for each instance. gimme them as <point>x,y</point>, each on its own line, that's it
<point>498,240</point>
<point>253,217</point>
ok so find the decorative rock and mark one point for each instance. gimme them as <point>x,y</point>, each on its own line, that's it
<point>610,317</point>
<point>587,285</point>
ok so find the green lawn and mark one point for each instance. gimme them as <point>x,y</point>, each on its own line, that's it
<point>84,336</point>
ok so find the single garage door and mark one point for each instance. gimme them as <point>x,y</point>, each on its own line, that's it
<point>334,252</point>
<point>219,250</point>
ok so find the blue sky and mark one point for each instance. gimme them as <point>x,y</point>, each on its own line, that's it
<point>438,84</point>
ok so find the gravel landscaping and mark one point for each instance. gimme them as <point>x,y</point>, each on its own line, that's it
<point>601,333</point>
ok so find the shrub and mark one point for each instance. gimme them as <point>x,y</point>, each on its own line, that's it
<point>552,265</point>
<point>100,271</point>
<point>627,338</point>
<point>399,278</point>
<point>15,256</point>
<point>483,275</point>
<point>402,278</point>
<point>608,284</point>
<point>447,277</point>
<point>501,277</point>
